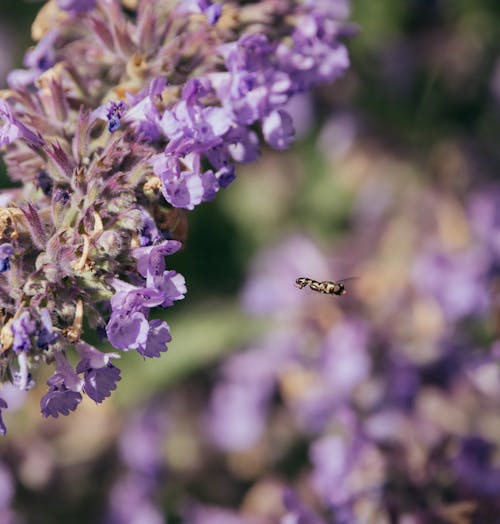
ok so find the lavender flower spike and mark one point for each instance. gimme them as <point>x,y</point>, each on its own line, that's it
<point>142,113</point>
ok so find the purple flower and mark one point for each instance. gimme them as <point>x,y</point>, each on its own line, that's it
<point>92,356</point>
<point>22,379</point>
<point>6,252</point>
<point>151,259</point>
<point>190,119</point>
<point>127,331</point>
<point>64,391</point>
<point>171,285</point>
<point>100,376</point>
<point>150,234</point>
<point>278,129</point>
<point>243,145</point>
<point>184,184</point>
<point>45,335</point>
<point>158,337</point>
<point>22,328</point>
<point>182,189</point>
<point>211,10</point>
<point>44,182</point>
<point>136,299</point>
<point>114,115</point>
<point>12,128</point>
<point>59,400</point>
<point>143,113</point>
<point>77,6</point>
<point>3,405</point>
<point>315,56</point>
<point>99,382</point>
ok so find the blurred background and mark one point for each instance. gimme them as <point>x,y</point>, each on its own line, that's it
<point>274,403</point>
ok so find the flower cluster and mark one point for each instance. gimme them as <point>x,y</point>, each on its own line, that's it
<point>125,115</point>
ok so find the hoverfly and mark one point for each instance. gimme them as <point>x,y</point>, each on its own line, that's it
<point>326,287</point>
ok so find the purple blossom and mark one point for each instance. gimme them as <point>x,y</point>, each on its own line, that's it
<point>10,129</point>
<point>158,337</point>
<point>316,56</point>
<point>92,357</point>
<point>6,252</point>
<point>44,182</point>
<point>184,184</point>
<point>114,115</point>
<point>45,335</point>
<point>151,259</point>
<point>22,379</point>
<point>59,400</point>
<point>143,113</point>
<point>99,382</point>
<point>129,298</point>
<point>37,60</point>
<point>99,375</point>
<point>22,328</point>
<point>76,6</point>
<point>170,284</point>
<point>207,7</point>
<point>278,129</point>
<point>191,120</point>
<point>13,129</point>
<point>127,331</point>
<point>149,234</point>
<point>64,391</point>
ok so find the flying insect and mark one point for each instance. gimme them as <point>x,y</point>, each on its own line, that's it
<point>327,287</point>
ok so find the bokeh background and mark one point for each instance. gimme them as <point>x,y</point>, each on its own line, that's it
<point>380,406</point>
